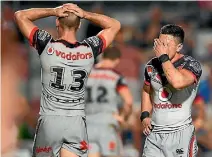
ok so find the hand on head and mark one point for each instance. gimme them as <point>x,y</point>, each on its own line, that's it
<point>61,11</point>
<point>74,9</point>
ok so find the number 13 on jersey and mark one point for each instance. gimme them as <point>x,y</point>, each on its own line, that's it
<point>77,75</point>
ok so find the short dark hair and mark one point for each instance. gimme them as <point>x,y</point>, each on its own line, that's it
<point>173,30</point>
<point>71,21</point>
<point>111,53</point>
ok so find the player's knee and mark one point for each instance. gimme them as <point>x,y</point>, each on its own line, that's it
<point>94,155</point>
<point>66,153</point>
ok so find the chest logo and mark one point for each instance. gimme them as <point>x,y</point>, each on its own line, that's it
<point>164,94</point>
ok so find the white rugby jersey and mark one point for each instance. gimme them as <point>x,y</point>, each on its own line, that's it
<point>171,107</point>
<point>102,96</point>
<point>64,71</point>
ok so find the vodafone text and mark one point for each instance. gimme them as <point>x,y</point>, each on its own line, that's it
<point>167,106</point>
<point>70,55</point>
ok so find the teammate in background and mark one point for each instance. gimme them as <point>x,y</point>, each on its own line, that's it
<point>171,82</point>
<point>66,64</point>
<point>102,111</point>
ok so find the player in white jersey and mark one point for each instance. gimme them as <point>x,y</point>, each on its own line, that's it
<point>171,82</point>
<point>65,66</point>
<point>104,88</point>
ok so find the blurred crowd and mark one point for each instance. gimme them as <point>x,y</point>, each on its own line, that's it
<point>21,74</point>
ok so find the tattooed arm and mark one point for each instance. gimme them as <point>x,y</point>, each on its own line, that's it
<point>178,78</point>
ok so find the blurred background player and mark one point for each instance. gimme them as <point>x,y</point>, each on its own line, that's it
<point>104,87</point>
<point>65,65</point>
<point>171,83</point>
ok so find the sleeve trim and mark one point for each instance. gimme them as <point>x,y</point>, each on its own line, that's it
<point>198,98</point>
<point>120,87</point>
<point>32,35</point>
<point>147,83</point>
<point>103,40</point>
<point>194,76</point>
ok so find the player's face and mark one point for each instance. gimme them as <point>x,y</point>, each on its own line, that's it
<point>172,42</point>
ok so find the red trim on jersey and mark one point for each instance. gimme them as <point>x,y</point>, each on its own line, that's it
<point>191,146</point>
<point>147,83</point>
<point>195,77</point>
<point>104,41</point>
<point>120,87</point>
<point>32,35</point>
<point>198,98</point>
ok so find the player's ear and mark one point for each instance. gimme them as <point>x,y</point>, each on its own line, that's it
<point>179,47</point>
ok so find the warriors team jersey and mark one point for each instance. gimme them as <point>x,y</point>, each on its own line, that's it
<point>171,107</point>
<point>64,71</point>
<point>102,96</point>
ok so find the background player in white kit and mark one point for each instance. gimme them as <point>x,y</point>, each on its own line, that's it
<point>171,82</point>
<point>102,109</point>
<point>66,64</point>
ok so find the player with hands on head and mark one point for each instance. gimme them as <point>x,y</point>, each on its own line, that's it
<point>170,87</point>
<point>65,66</point>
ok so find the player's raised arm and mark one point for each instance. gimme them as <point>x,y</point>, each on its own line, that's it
<point>110,25</point>
<point>25,18</point>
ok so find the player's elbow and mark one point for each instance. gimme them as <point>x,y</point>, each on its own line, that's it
<point>177,85</point>
<point>19,15</point>
<point>116,26</point>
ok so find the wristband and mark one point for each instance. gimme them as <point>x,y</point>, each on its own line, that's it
<point>163,58</point>
<point>144,115</point>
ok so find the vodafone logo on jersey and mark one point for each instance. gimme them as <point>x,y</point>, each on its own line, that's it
<point>50,51</point>
<point>164,94</point>
<point>70,55</point>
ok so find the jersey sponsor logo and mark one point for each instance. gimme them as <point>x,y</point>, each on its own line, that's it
<point>180,151</point>
<point>43,35</point>
<point>157,79</point>
<point>83,145</point>
<point>70,55</point>
<point>196,66</point>
<point>112,145</point>
<point>94,40</point>
<point>164,94</point>
<point>150,69</point>
<point>167,106</point>
<point>46,149</point>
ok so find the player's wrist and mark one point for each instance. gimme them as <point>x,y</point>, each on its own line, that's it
<point>54,11</point>
<point>86,15</point>
<point>144,114</point>
<point>163,58</point>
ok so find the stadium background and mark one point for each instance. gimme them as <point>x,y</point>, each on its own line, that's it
<point>141,22</point>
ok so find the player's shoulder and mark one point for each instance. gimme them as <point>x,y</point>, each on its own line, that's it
<point>92,41</point>
<point>153,62</point>
<point>188,58</point>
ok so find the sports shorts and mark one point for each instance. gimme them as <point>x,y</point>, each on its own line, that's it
<point>56,132</point>
<point>177,144</point>
<point>104,139</point>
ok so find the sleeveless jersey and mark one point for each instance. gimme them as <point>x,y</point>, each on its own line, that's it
<point>171,107</point>
<point>65,68</point>
<point>102,95</point>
